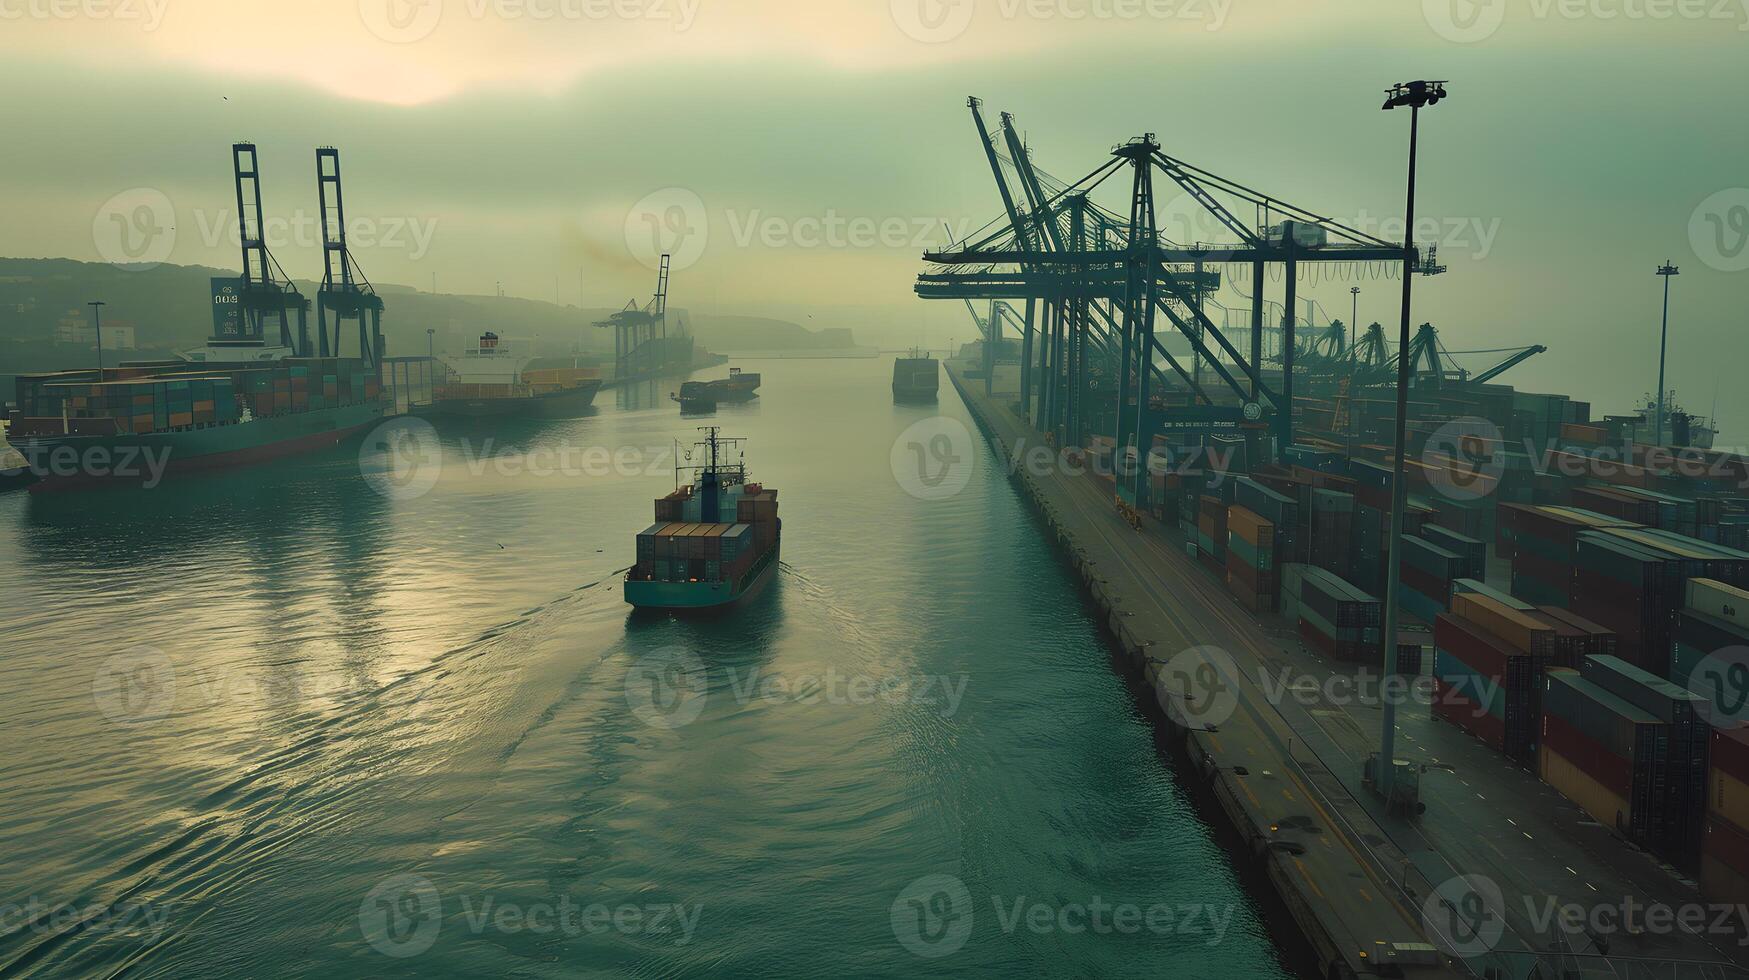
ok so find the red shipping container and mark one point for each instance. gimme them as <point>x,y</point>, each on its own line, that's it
<point>1468,715</point>
<point>1610,770</point>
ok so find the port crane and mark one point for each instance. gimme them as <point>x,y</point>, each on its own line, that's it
<point>345,293</point>
<point>1098,283</point>
<point>265,290</point>
<point>636,328</point>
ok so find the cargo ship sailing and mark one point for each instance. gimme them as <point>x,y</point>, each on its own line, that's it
<point>492,380</point>
<point>715,541</point>
<point>916,377</point>
<point>737,387</point>
<point>238,400</point>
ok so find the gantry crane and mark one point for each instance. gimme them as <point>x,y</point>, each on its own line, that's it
<point>1103,280</point>
<point>345,292</point>
<point>266,291</point>
<point>636,329</point>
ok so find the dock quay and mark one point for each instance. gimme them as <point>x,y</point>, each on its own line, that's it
<point>1500,876</point>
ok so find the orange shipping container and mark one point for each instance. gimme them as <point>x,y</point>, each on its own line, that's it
<point>1250,528</point>
<point>1572,782</point>
<point>1524,633</point>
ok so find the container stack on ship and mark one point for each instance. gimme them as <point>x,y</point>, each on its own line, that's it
<point>715,540</point>
<point>192,416</point>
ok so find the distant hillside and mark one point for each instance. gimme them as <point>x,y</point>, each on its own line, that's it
<point>169,308</point>
<point>736,333</point>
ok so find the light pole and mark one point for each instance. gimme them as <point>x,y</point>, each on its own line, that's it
<point>1414,95</point>
<point>1353,310</point>
<point>97,325</point>
<point>431,343</point>
<point>1665,271</point>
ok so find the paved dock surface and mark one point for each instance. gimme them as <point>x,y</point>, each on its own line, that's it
<point>1367,875</point>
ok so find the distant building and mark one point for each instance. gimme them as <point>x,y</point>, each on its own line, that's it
<point>74,327</point>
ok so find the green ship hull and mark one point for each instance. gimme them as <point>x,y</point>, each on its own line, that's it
<point>142,459</point>
<point>703,595</point>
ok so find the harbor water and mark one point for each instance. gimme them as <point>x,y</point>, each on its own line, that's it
<point>382,711</point>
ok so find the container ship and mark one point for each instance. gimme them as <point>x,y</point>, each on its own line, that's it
<point>739,386</point>
<point>228,404</point>
<point>916,378</point>
<point>492,381</point>
<point>715,541</point>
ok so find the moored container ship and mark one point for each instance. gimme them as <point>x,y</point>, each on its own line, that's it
<point>916,377</point>
<point>493,381</point>
<point>715,541</point>
<point>739,386</point>
<point>133,424</point>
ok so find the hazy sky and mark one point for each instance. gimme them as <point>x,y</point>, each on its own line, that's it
<point>798,156</point>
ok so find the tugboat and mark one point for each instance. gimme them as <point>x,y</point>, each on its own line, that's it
<point>916,378</point>
<point>715,540</point>
<point>704,395</point>
<point>491,380</point>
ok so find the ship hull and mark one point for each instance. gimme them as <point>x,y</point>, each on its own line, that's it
<point>683,596</point>
<point>738,389</point>
<point>568,403</point>
<point>67,462</point>
<point>916,379</point>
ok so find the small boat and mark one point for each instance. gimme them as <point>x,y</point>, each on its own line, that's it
<point>916,377</point>
<point>492,381</point>
<point>739,386</point>
<point>715,540</point>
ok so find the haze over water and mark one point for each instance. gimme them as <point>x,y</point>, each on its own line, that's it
<point>258,720</point>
